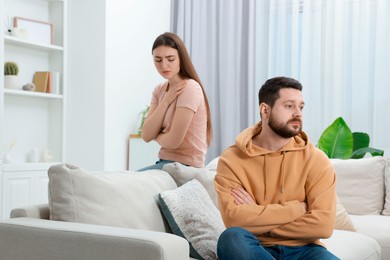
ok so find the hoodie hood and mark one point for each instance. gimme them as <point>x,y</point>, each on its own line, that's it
<point>244,142</point>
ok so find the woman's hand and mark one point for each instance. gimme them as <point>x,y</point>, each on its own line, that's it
<point>173,92</point>
<point>151,129</point>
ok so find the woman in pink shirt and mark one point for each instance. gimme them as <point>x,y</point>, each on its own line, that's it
<point>179,117</point>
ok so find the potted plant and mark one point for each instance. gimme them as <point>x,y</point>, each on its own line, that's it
<point>143,115</point>
<point>11,71</point>
<point>337,141</point>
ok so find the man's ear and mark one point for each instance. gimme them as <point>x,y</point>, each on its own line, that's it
<point>264,110</point>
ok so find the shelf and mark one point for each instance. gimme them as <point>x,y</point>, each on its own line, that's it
<point>31,94</point>
<point>24,43</point>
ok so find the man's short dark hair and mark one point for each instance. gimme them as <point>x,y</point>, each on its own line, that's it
<point>269,92</point>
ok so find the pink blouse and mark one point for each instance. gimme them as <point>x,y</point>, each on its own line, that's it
<point>193,149</point>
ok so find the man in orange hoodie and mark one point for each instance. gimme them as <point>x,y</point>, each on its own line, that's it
<point>276,190</point>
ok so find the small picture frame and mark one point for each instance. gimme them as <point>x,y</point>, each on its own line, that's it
<point>35,31</point>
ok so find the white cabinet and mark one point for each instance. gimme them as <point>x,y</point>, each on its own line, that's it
<point>23,185</point>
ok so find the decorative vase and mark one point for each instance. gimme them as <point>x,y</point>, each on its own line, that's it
<point>34,155</point>
<point>11,81</point>
<point>46,156</point>
<point>20,33</point>
<point>6,158</point>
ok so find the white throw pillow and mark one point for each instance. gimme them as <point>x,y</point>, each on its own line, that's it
<point>360,184</point>
<point>121,199</point>
<point>212,165</point>
<point>386,210</point>
<point>191,214</point>
<point>183,174</point>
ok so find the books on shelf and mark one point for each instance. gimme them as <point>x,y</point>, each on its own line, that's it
<point>47,82</point>
<point>40,81</point>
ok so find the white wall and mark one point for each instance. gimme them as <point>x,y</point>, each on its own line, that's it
<point>85,83</point>
<point>132,26</point>
<point>110,76</point>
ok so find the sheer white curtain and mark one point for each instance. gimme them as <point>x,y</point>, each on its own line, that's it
<point>219,35</point>
<point>340,51</point>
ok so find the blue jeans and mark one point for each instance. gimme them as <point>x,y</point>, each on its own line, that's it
<point>239,244</point>
<point>157,166</point>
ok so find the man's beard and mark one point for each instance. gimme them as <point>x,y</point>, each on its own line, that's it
<point>282,129</point>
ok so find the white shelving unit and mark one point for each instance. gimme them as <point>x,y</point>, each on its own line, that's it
<point>33,120</point>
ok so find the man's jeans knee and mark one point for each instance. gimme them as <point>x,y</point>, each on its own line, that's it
<point>236,243</point>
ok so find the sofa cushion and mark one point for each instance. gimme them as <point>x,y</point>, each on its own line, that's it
<point>191,214</point>
<point>348,245</point>
<point>182,174</point>
<point>343,221</point>
<point>377,227</point>
<point>386,210</point>
<point>362,181</point>
<point>213,164</point>
<point>121,199</point>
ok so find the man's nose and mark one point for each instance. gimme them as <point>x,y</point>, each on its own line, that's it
<point>298,112</point>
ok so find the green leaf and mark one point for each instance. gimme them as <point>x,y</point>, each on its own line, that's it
<point>144,114</point>
<point>360,140</point>
<point>337,140</point>
<point>360,153</point>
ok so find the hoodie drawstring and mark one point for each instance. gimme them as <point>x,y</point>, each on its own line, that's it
<point>265,177</point>
<point>282,177</point>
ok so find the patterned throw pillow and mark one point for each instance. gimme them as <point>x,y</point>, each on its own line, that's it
<point>192,215</point>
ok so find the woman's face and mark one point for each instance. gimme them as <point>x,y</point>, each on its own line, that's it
<point>167,62</point>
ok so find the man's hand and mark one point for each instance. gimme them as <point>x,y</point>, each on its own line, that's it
<point>242,197</point>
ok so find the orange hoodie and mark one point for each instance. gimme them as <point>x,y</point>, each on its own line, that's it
<point>278,182</point>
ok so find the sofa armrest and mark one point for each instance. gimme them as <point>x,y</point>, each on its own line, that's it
<point>29,238</point>
<point>35,211</point>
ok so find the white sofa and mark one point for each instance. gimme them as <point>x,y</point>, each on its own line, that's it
<point>363,187</point>
<point>123,215</point>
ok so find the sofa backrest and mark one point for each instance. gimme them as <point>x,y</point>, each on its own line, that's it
<point>121,198</point>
